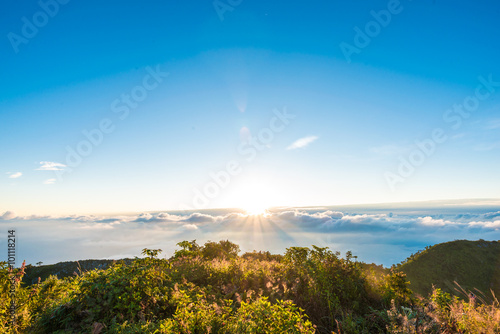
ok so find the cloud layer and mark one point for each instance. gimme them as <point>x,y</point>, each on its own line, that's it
<point>383,238</point>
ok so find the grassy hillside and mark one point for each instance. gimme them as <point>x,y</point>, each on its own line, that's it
<point>472,264</point>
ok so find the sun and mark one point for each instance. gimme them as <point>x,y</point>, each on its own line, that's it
<point>255,209</point>
<point>255,202</point>
<point>253,195</point>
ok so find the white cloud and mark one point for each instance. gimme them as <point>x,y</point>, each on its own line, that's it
<point>302,142</point>
<point>49,165</point>
<point>494,225</point>
<point>165,217</point>
<point>429,221</point>
<point>15,175</point>
<point>190,227</point>
<point>8,215</point>
<point>49,181</point>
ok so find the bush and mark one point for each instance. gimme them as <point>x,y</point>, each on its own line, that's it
<point>443,313</point>
<point>263,317</point>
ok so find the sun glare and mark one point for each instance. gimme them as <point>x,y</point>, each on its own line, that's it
<point>255,209</point>
<point>254,196</point>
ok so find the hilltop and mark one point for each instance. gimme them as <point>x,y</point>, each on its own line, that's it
<point>472,264</point>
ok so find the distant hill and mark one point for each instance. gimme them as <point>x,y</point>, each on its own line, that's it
<point>472,264</point>
<point>65,269</point>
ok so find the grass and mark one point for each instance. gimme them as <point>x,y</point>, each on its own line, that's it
<point>473,264</point>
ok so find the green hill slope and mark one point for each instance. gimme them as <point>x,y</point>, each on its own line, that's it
<point>472,264</point>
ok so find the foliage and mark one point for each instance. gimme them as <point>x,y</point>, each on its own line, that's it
<point>331,289</point>
<point>188,249</point>
<point>263,317</point>
<point>396,289</point>
<point>210,289</point>
<point>223,249</point>
<point>262,256</point>
<point>444,313</point>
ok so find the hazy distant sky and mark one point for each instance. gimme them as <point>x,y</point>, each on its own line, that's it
<point>354,119</point>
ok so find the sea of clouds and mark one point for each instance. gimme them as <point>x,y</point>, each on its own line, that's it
<point>376,234</point>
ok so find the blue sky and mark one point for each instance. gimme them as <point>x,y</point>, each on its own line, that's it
<point>354,123</point>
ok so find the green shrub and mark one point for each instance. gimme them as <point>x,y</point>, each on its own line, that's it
<point>263,317</point>
<point>396,289</point>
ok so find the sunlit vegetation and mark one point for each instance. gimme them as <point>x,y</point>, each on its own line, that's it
<point>210,288</point>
